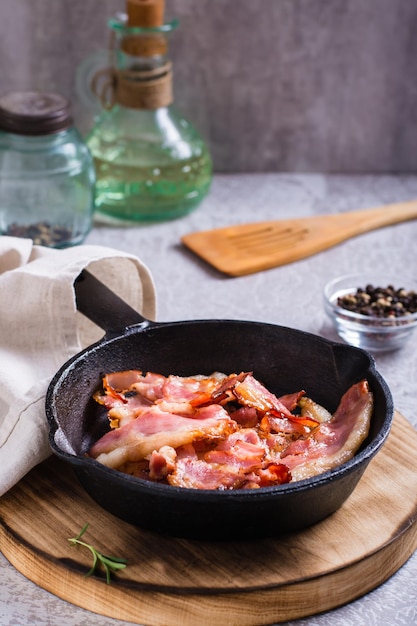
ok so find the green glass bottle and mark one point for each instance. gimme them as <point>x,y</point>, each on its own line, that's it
<point>151,163</point>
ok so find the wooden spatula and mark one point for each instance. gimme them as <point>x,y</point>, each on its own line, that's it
<point>248,248</point>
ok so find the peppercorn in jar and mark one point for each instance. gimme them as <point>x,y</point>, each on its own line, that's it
<point>372,311</point>
<point>46,171</point>
<point>380,301</point>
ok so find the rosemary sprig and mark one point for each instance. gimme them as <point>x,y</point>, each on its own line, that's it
<point>109,563</point>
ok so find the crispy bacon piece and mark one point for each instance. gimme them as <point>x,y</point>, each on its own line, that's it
<point>225,390</point>
<point>162,462</point>
<point>150,386</point>
<point>194,473</point>
<point>245,416</point>
<point>127,394</point>
<point>155,428</point>
<point>242,449</point>
<point>314,410</point>
<point>118,382</point>
<point>292,400</point>
<point>292,427</point>
<point>236,463</point>
<point>273,474</point>
<point>251,392</point>
<point>333,442</point>
<point>190,389</point>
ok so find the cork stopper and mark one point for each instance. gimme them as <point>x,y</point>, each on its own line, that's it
<point>145,13</point>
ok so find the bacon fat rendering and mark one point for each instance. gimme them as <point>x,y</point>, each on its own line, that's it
<point>224,432</point>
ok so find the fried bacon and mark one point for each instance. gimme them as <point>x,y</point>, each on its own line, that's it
<point>155,428</point>
<point>224,432</point>
<point>333,442</point>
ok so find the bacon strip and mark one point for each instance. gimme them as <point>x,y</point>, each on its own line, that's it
<point>334,442</point>
<point>251,392</point>
<point>154,429</point>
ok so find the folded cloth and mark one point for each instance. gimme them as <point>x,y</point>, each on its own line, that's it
<point>40,329</point>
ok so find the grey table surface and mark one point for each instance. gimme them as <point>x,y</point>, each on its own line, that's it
<point>290,295</point>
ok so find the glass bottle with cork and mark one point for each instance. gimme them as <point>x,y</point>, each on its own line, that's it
<point>151,164</point>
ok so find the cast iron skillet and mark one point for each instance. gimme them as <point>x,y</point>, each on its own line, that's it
<point>284,359</point>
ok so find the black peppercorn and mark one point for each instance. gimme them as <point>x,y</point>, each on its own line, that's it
<point>386,302</point>
<point>42,233</point>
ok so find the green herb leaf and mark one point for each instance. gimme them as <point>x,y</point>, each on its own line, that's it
<point>110,564</point>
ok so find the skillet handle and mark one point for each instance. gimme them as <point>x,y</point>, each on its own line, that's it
<point>102,306</point>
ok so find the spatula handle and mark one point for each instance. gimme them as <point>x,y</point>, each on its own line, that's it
<point>368,219</point>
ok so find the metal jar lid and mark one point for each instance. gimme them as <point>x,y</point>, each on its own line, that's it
<point>34,113</point>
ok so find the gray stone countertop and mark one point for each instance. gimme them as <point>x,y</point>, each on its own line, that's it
<point>290,295</point>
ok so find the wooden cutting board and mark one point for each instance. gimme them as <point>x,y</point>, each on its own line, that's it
<point>174,581</point>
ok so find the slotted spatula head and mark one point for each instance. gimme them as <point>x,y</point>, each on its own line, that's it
<point>248,248</point>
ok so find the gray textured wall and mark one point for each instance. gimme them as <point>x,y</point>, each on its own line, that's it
<point>273,85</point>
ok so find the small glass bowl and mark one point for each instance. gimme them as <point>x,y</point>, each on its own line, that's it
<point>375,334</point>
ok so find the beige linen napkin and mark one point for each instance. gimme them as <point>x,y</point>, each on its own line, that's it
<point>40,329</point>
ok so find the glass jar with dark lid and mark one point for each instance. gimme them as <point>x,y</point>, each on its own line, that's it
<point>47,174</point>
